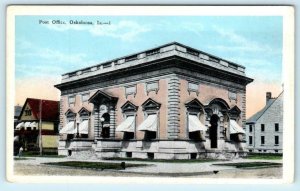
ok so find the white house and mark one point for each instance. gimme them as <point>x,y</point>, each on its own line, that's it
<point>264,129</point>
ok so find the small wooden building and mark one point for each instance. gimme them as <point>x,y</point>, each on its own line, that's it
<point>38,114</point>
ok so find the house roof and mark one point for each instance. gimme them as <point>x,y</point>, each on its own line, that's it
<point>18,110</point>
<point>50,109</point>
<point>257,115</point>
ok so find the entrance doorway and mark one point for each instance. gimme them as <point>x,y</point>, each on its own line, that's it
<point>105,125</point>
<point>213,131</point>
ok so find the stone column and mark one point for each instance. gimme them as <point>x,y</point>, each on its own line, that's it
<point>173,107</point>
<point>112,129</point>
<point>207,124</point>
<point>221,128</point>
<point>96,122</point>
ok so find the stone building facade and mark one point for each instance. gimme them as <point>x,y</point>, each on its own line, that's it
<point>169,102</point>
<point>264,129</point>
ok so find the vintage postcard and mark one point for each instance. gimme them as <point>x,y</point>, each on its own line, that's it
<point>177,94</point>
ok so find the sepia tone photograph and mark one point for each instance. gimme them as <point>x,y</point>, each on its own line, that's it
<point>175,94</point>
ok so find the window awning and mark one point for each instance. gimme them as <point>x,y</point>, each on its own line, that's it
<point>83,127</point>
<point>68,129</point>
<point>150,124</point>
<point>195,124</point>
<point>20,125</point>
<point>235,128</point>
<point>27,124</point>
<point>127,125</point>
<point>33,124</point>
<point>16,138</point>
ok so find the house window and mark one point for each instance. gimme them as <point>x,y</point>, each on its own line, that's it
<point>262,127</point>
<point>276,127</point>
<point>276,151</point>
<point>27,112</point>
<point>71,101</point>
<point>262,140</point>
<point>276,140</point>
<point>250,128</point>
<point>85,97</point>
<point>250,140</point>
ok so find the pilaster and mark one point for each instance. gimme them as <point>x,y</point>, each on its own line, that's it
<point>173,107</point>
<point>112,129</point>
<point>97,127</point>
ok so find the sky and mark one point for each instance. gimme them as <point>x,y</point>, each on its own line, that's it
<point>43,52</point>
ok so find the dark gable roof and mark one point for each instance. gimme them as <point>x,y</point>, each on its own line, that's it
<point>257,115</point>
<point>50,109</point>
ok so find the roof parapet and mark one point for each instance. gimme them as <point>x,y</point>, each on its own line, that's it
<point>154,54</point>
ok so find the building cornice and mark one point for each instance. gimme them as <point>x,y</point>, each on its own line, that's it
<point>168,65</point>
<point>155,54</point>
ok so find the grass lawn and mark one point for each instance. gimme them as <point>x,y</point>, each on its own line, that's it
<point>264,156</point>
<point>252,164</point>
<point>47,156</point>
<point>37,154</point>
<point>166,160</point>
<point>94,165</point>
<point>20,158</point>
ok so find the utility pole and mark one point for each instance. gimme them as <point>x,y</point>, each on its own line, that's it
<point>40,129</point>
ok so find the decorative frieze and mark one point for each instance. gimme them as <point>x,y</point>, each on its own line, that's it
<point>232,95</point>
<point>152,86</point>
<point>131,90</point>
<point>193,87</point>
